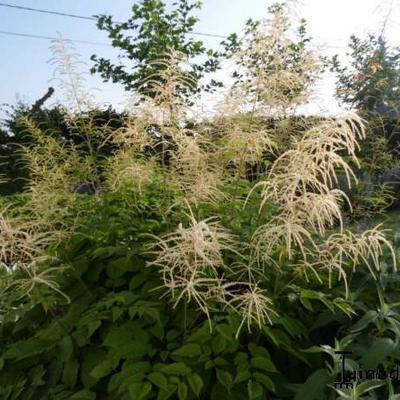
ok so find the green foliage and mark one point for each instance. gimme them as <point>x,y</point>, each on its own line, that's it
<point>371,85</point>
<point>119,339</point>
<point>372,81</point>
<point>53,121</point>
<point>156,32</point>
<point>181,279</point>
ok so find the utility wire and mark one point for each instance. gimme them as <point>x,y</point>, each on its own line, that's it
<point>39,10</point>
<point>86,17</point>
<point>32,36</point>
<point>28,35</point>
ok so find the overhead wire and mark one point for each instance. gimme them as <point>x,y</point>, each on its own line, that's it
<point>33,36</point>
<point>85,17</point>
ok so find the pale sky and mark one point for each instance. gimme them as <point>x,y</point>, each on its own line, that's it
<point>26,73</point>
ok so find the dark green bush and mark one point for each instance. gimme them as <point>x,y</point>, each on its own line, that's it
<point>120,338</point>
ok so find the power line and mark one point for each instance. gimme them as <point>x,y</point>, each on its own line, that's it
<point>39,10</point>
<point>33,36</point>
<point>28,35</point>
<point>86,17</point>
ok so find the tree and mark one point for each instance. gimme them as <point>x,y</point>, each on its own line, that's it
<point>372,80</point>
<point>55,123</point>
<point>151,32</point>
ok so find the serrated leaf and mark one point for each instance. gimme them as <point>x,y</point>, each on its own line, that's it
<point>182,391</point>
<point>195,383</point>
<point>158,379</point>
<point>27,348</point>
<point>116,312</point>
<point>263,363</point>
<point>226,331</point>
<point>242,376</point>
<point>101,370</point>
<point>188,350</point>
<point>176,369</point>
<point>254,390</point>
<point>139,390</point>
<point>166,394</point>
<point>258,351</point>
<point>225,378</point>
<point>218,344</point>
<point>83,395</point>
<point>265,380</point>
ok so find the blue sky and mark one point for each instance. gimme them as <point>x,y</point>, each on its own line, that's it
<point>25,71</point>
<point>24,68</point>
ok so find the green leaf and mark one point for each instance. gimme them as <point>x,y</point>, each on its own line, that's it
<point>113,271</point>
<point>166,394</point>
<point>220,362</point>
<point>188,350</point>
<point>226,331</point>
<point>182,391</point>
<point>122,263</point>
<point>196,383</point>
<point>258,351</point>
<point>116,313</point>
<point>241,360</point>
<point>380,349</point>
<point>28,348</point>
<point>70,373</point>
<point>176,369</point>
<point>242,376</point>
<point>137,280</point>
<point>55,370</point>
<point>158,379</point>
<point>369,317</point>
<point>92,357</point>
<point>254,390</point>
<point>265,380</point>
<point>225,378</point>
<point>200,335</point>
<point>367,386</point>
<point>66,348</point>
<point>263,363</point>
<point>132,349</point>
<point>36,375</point>
<point>306,303</point>
<point>92,328</point>
<point>102,369</point>
<point>218,344</point>
<point>314,387</point>
<point>271,335</point>
<point>83,395</point>
<point>311,294</point>
<point>118,335</point>
<point>139,390</point>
